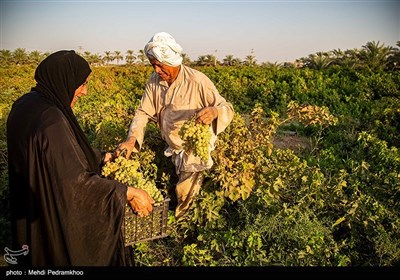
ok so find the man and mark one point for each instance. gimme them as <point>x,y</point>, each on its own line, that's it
<point>173,94</point>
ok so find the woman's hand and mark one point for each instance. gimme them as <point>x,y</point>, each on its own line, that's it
<point>140,201</point>
<point>108,157</point>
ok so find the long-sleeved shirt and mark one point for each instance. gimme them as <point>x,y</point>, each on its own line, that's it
<point>171,106</point>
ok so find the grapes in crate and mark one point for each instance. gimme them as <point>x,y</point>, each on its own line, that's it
<point>135,228</point>
<point>127,171</point>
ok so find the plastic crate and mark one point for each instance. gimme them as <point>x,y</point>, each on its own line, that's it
<point>154,226</point>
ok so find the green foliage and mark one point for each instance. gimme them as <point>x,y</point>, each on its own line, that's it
<point>105,113</point>
<point>5,229</point>
<point>336,204</point>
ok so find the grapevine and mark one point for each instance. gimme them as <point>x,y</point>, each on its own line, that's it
<point>196,138</point>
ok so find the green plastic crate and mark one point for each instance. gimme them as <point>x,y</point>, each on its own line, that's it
<point>153,226</point>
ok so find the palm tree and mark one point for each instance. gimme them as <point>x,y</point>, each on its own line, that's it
<point>118,56</point>
<point>228,60</point>
<point>185,59</point>
<point>86,55</point>
<point>394,58</point>
<point>142,57</point>
<point>375,56</point>
<point>95,59</point>
<point>351,59</point>
<point>337,57</point>
<point>318,61</point>
<point>20,56</point>
<point>35,57</point>
<point>212,59</point>
<point>108,57</point>
<point>276,65</point>
<point>205,60</point>
<point>250,60</point>
<point>5,57</point>
<point>130,57</point>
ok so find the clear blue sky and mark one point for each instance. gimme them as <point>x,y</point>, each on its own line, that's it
<point>275,31</point>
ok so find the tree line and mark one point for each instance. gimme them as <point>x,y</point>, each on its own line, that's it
<point>373,55</point>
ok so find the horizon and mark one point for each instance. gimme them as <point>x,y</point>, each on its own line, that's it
<point>272,31</point>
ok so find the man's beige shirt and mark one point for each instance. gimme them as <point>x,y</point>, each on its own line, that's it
<point>170,106</point>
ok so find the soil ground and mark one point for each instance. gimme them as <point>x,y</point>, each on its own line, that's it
<point>290,140</point>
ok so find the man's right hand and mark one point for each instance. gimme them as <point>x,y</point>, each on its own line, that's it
<point>127,146</point>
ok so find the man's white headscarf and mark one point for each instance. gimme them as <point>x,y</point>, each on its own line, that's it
<point>163,47</point>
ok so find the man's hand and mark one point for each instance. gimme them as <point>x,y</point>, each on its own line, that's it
<point>128,146</point>
<point>207,115</point>
<point>140,201</point>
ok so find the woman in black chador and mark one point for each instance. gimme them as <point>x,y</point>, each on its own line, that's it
<point>61,208</point>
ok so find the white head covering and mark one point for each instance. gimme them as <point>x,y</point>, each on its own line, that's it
<point>163,47</point>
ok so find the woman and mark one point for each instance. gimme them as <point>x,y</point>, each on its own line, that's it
<point>60,207</point>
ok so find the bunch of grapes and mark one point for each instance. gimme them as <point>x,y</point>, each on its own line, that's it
<point>127,171</point>
<point>196,138</point>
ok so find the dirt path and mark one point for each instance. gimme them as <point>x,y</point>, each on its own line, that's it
<point>290,140</point>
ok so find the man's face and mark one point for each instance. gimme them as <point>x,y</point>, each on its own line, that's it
<point>167,73</point>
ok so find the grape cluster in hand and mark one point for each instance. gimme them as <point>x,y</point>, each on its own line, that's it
<point>196,138</point>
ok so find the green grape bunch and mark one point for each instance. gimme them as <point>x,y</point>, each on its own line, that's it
<point>127,171</point>
<point>196,138</point>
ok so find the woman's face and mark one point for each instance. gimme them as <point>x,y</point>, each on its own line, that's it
<point>81,90</point>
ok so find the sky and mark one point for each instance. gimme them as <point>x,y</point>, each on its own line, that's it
<point>272,31</point>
